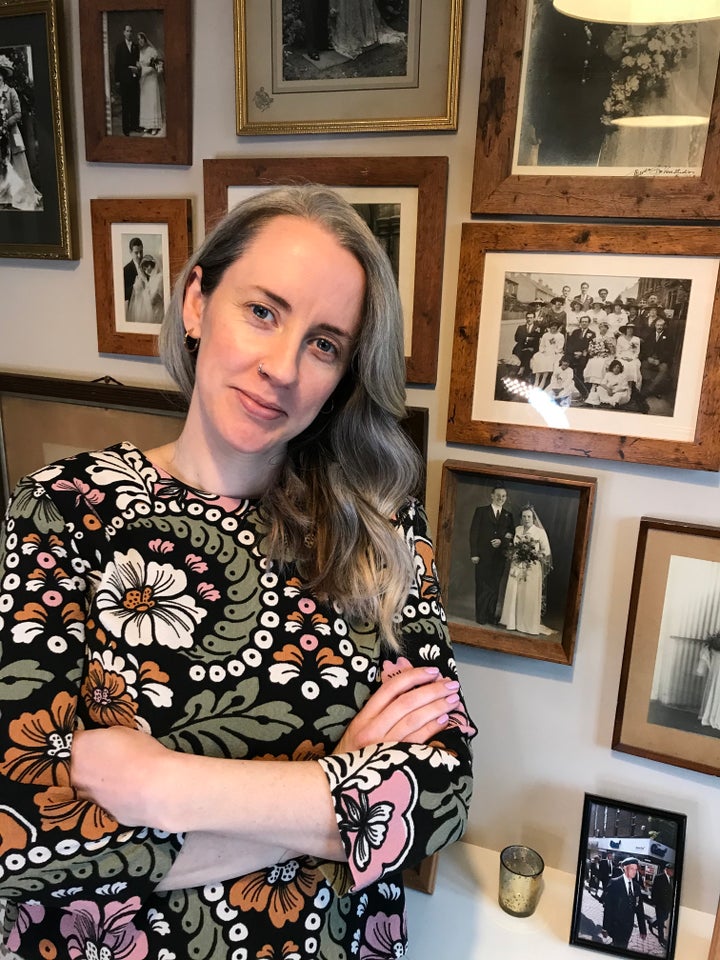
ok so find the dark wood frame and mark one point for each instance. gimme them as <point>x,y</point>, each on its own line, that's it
<point>177,215</point>
<point>500,639</point>
<point>304,113</point>
<point>176,147</point>
<point>714,953</point>
<point>700,453</point>
<point>497,190</point>
<point>427,174</point>
<point>49,234</point>
<point>631,732</point>
<point>582,874</point>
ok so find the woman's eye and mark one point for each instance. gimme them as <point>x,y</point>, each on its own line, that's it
<point>326,346</point>
<point>262,313</point>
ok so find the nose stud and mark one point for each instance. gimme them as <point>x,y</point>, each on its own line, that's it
<point>260,370</point>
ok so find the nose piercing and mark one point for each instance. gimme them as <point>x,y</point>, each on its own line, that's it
<point>260,369</point>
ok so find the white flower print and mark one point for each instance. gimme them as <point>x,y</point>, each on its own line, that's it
<point>146,603</point>
<point>127,472</point>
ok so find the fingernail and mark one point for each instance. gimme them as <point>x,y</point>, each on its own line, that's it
<point>453,698</point>
<point>452,685</point>
<point>433,671</point>
<point>443,719</point>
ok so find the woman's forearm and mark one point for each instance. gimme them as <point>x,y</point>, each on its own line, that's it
<point>214,857</point>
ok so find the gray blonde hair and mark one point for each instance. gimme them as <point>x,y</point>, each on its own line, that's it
<point>349,473</point>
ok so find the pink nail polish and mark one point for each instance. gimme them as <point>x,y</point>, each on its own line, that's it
<point>453,698</point>
<point>443,719</point>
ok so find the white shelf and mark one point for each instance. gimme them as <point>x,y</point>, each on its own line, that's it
<point>462,917</point>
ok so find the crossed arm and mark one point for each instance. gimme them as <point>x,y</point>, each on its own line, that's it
<point>243,815</point>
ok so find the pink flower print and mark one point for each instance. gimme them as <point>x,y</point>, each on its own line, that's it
<point>459,718</point>
<point>49,546</point>
<point>208,592</point>
<point>306,605</point>
<point>393,668</point>
<point>385,937</point>
<point>196,563</point>
<point>161,546</point>
<point>86,493</point>
<point>29,913</point>
<point>382,826</point>
<point>108,931</point>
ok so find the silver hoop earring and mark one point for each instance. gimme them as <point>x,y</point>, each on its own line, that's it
<point>191,343</point>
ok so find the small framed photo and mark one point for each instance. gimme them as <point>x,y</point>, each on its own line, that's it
<point>314,66</point>
<point>511,552</point>
<point>636,134</point>
<point>402,199</point>
<point>590,340</point>
<point>669,700</point>
<point>137,88</point>
<point>43,419</point>
<point>627,891</point>
<point>139,247</point>
<point>37,206</point>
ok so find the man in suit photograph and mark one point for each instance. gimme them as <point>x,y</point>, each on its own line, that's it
<point>527,342</point>
<point>127,79</point>
<point>663,894</point>
<point>623,904</point>
<point>132,267</point>
<point>577,348</point>
<point>491,531</point>
<point>656,359</point>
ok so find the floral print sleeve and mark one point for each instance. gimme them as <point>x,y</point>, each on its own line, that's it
<point>54,846</point>
<point>398,802</point>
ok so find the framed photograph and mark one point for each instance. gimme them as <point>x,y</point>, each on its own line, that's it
<point>137,82</point>
<point>669,700</point>
<point>627,891</point>
<point>139,247</point>
<point>403,200</point>
<point>346,66</point>
<point>37,204</point>
<point>511,552</point>
<point>638,106</point>
<point>590,340</point>
<point>43,419</point>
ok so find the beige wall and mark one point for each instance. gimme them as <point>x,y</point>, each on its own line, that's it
<point>545,729</point>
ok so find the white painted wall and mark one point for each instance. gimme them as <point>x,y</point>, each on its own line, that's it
<point>545,729</point>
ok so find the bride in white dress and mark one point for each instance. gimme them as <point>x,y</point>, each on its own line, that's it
<point>531,561</point>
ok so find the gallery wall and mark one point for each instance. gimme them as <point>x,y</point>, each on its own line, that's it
<point>545,729</point>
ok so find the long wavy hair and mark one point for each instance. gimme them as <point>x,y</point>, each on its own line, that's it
<point>346,476</point>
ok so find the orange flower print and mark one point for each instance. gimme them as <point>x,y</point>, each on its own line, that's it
<point>280,891</point>
<point>51,621</point>
<point>288,951</point>
<point>426,571</point>
<point>15,833</point>
<point>106,697</point>
<point>42,751</point>
<point>309,663</point>
<point>307,750</point>
<point>61,809</point>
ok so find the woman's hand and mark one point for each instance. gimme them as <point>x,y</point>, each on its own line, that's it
<point>125,771</point>
<point>411,707</point>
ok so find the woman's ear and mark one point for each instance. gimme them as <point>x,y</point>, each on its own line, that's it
<point>194,304</point>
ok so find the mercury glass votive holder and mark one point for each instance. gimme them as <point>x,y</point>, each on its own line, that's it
<point>521,871</point>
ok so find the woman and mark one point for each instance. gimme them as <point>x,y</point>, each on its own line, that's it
<point>627,349</point>
<point>146,300</point>
<point>16,186</point>
<point>356,25</point>
<point>152,110</point>
<point>530,562</point>
<point>614,390</point>
<point>709,667</point>
<point>552,344</point>
<point>259,593</point>
<point>561,387</point>
<point>600,350</point>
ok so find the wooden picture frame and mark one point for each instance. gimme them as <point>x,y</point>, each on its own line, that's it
<point>552,191</point>
<point>665,709</point>
<point>510,269</point>
<point>621,842</point>
<point>112,133</point>
<point>497,595</point>
<point>37,199</point>
<point>282,89</point>
<point>36,428</point>
<point>130,303</point>
<point>418,185</point>
<point>714,953</point>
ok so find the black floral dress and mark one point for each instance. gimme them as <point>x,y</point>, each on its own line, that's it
<point>129,598</point>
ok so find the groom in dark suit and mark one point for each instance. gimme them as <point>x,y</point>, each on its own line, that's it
<point>623,902</point>
<point>127,78</point>
<point>491,531</point>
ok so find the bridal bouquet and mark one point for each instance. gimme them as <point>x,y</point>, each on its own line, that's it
<point>646,62</point>
<point>522,555</point>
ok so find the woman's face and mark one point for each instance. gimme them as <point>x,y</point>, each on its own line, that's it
<point>147,267</point>
<point>277,333</point>
<point>142,42</point>
<point>527,518</point>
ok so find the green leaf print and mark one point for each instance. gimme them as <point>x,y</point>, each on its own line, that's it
<point>18,680</point>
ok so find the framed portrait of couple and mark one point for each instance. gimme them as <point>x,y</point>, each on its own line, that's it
<point>583,113</point>
<point>511,550</point>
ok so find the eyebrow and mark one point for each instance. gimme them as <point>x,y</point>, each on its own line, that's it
<point>324,327</point>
